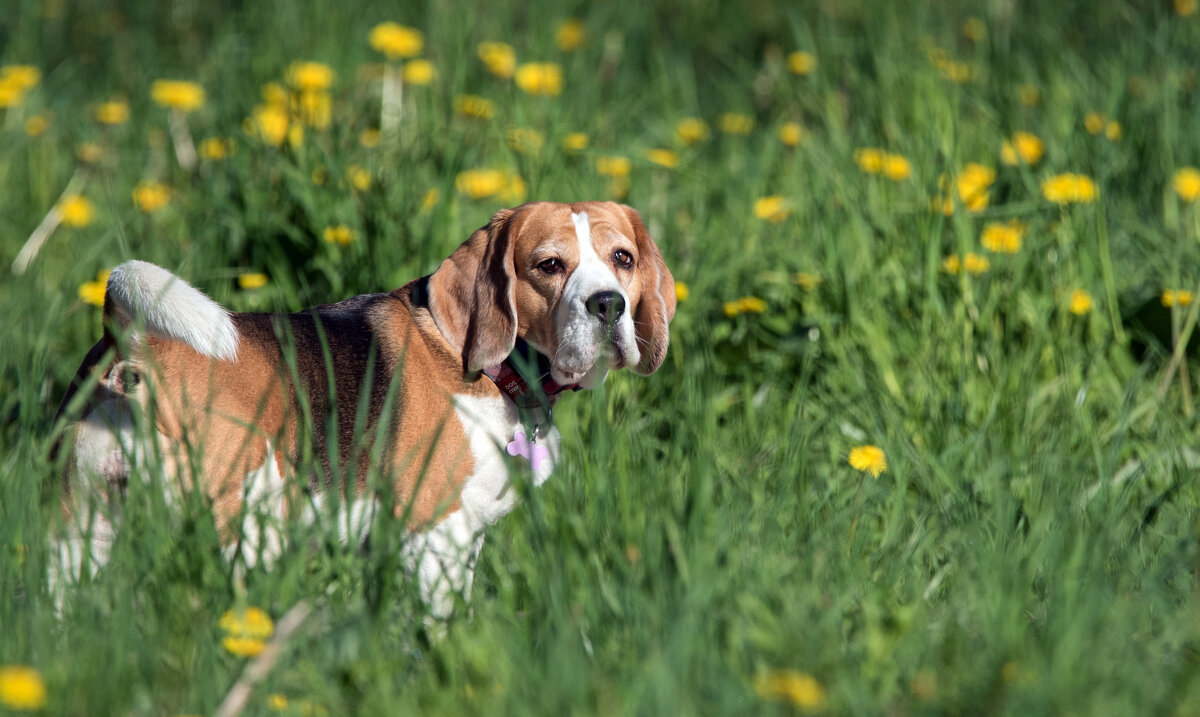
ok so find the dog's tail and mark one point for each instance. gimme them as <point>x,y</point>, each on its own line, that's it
<point>143,295</point>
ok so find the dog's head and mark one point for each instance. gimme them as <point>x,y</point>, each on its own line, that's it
<point>582,283</point>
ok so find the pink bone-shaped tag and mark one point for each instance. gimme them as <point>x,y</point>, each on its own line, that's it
<point>527,449</point>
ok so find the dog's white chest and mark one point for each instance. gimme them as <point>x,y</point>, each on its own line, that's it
<point>491,424</point>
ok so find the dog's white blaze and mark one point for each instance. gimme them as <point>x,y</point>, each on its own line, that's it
<point>171,308</point>
<point>581,338</point>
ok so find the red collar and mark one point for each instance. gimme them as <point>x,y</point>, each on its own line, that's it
<point>510,381</point>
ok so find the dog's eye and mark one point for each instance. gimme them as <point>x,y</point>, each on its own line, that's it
<point>623,259</point>
<point>550,266</point>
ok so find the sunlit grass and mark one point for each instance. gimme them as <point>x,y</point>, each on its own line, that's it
<point>963,238</point>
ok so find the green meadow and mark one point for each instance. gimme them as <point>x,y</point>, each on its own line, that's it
<point>925,441</point>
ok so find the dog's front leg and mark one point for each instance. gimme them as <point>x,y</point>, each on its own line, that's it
<point>443,559</point>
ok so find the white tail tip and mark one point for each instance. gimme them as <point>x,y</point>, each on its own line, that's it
<point>171,308</point>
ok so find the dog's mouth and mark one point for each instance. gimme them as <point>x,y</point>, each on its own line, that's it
<point>609,356</point>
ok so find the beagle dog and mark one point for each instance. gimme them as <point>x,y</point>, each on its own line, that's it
<point>418,402</point>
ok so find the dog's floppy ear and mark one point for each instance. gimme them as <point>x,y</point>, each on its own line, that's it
<point>472,296</point>
<point>656,307</point>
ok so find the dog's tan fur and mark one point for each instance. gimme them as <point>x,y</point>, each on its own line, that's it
<point>426,341</point>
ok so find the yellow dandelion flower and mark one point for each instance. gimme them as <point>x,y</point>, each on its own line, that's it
<point>1185,8</point>
<point>575,142</point>
<point>1070,188</point>
<point>474,106</point>
<point>76,211</point>
<point>975,264</point>
<point>896,167</point>
<point>1186,183</point>
<point>359,178</point>
<point>525,140</point>
<point>396,41</point>
<point>736,123</point>
<point>978,201</point>
<point>972,185</point>
<point>499,58</point>
<point>745,305</point>
<point>1093,122</point>
<point>570,35</point>
<point>480,183</point>
<point>663,158</point>
<point>792,133</point>
<point>1112,130</point>
<point>801,689</point>
<point>150,196</point>
<point>310,76</point>
<point>243,646</point>
<point>36,125</point>
<point>807,280</point>
<point>1028,148</point>
<point>315,109</point>
<point>419,72</point>
<point>801,62</point>
<point>1029,95</point>
<point>618,188</point>
<point>277,702</point>
<point>1003,238</point>
<point>276,95</point>
<point>952,264</point>
<point>1024,147</point>
<point>23,77</point>
<point>868,458</point>
<point>15,81</point>
<point>270,123</point>
<point>1080,302</point>
<point>369,138</point>
<point>252,280</point>
<point>1008,153</point>
<point>112,112</point>
<point>22,688</point>
<point>92,292</point>
<point>773,209</point>
<point>514,190</point>
<point>89,152</point>
<point>613,166</point>
<point>974,29</point>
<point>214,149</point>
<point>250,622</point>
<point>955,71</point>
<point>681,291</point>
<point>1177,297</point>
<point>691,130</point>
<point>178,95</point>
<point>430,200</point>
<point>945,205</point>
<point>539,78</point>
<point>870,159</point>
<point>10,94</point>
<point>339,234</point>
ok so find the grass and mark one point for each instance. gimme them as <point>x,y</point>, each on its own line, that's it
<point>1032,546</point>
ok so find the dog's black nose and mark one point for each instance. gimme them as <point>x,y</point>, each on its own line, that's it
<point>606,306</point>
